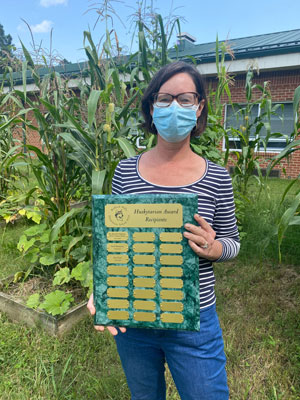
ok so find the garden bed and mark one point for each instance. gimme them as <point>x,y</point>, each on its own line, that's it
<point>12,303</point>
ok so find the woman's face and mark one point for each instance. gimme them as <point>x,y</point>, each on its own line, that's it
<point>180,83</point>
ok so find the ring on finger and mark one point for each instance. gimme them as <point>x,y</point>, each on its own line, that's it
<point>205,245</point>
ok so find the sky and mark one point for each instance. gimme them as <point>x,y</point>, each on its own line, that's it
<point>204,20</point>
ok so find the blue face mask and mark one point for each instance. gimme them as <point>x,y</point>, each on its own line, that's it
<point>174,123</point>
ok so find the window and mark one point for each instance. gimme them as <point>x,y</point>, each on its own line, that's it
<point>282,123</point>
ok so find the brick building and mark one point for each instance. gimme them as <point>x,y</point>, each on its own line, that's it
<point>275,58</point>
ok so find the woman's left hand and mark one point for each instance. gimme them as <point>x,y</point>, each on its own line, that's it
<point>202,239</point>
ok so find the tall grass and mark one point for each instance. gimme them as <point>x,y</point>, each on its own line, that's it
<point>262,214</point>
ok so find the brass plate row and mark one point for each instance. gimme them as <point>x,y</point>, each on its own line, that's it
<point>145,305</point>
<point>144,259</point>
<point>145,316</point>
<point>145,293</point>
<point>144,248</point>
<point>144,236</point>
<point>145,282</point>
<point>145,271</point>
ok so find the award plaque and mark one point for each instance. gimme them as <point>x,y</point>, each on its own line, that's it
<point>145,273</point>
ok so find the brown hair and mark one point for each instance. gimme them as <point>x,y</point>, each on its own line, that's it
<point>162,76</point>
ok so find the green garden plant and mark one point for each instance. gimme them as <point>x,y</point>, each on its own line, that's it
<point>208,144</point>
<point>98,140</point>
<point>252,134</point>
<point>10,118</point>
<point>291,215</point>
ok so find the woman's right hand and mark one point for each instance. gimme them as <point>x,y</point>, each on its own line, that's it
<point>100,328</point>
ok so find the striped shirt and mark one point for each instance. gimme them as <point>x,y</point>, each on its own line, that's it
<point>215,205</point>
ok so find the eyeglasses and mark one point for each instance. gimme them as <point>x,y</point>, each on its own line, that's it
<point>187,99</point>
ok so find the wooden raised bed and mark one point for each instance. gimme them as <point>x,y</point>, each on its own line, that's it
<point>19,312</point>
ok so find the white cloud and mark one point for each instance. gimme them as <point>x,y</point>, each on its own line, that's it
<point>44,27</point>
<point>49,3</point>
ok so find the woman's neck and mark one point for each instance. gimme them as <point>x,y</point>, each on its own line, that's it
<point>172,152</point>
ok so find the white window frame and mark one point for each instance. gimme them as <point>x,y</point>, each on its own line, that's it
<point>257,149</point>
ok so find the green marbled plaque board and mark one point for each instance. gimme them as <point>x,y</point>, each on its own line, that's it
<point>145,273</point>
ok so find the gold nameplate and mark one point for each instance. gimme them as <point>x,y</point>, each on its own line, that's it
<point>112,303</point>
<point>144,259</point>
<point>144,282</point>
<point>170,306</point>
<point>171,271</point>
<point>165,215</point>
<point>143,271</point>
<point>117,247</point>
<point>170,237</point>
<point>117,281</point>
<point>170,283</point>
<point>172,318</point>
<point>117,270</point>
<point>143,236</point>
<point>117,236</point>
<point>112,292</point>
<point>143,247</point>
<point>171,260</point>
<point>118,314</point>
<point>117,258</point>
<point>171,248</point>
<point>144,294</point>
<point>144,305</point>
<point>171,294</point>
<point>144,316</point>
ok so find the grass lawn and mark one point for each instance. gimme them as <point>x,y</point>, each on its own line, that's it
<point>258,303</point>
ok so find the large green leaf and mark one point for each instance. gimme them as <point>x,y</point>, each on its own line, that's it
<point>125,113</point>
<point>295,220</point>
<point>44,158</point>
<point>33,301</point>
<point>27,55</point>
<point>78,148</point>
<point>60,223</point>
<point>52,109</point>
<point>98,178</point>
<point>126,146</point>
<point>296,101</point>
<point>48,259</point>
<point>117,86</point>
<point>24,70</point>
<point>62,276</point>
<point>92,106</point>
<point>57,302</point>
<point>14,119</point>
<point>73,243</point>
<point>163,38</point>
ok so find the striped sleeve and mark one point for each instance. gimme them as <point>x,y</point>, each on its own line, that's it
<point>117,180</point>
<point>225,221</point>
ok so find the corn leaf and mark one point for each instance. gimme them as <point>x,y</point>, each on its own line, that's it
<point>60,223</point>
<point>98,178</point>
<point>126,146</point>
<point>92,106</point>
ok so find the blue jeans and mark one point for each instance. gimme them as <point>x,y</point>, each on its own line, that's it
<point>196,360</point>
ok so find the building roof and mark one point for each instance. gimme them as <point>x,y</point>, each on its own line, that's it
<point>277,43</point>
<point>69,70</point>
<point>246,47</point>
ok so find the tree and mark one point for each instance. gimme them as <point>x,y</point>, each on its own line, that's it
<point>6,48</point>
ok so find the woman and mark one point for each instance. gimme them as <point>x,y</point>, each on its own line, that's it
<point>174,107</point>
